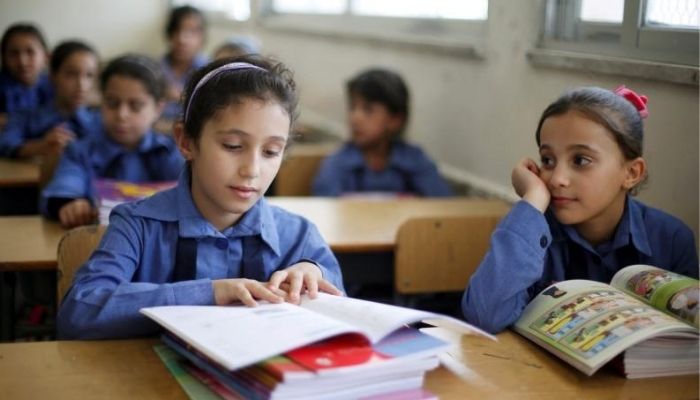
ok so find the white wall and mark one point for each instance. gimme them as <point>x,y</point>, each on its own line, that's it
<point>476,117</point>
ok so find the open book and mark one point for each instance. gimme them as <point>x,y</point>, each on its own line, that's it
<point>111,193</point>
<point>649,313</point>
<point>237,336</point>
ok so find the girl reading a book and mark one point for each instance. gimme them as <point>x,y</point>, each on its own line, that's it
<point>213,239</point>
<point>577,218</point>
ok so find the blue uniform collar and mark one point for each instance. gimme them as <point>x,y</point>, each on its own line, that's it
<point>257,221</point>
<point>355,159</point>
<point>107,149</point>
<point>630,229</point>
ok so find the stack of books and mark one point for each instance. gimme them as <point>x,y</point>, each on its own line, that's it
<point>328,348</point>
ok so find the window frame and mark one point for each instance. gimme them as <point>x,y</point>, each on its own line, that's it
<point>563,30</point>
<point>465,35</point>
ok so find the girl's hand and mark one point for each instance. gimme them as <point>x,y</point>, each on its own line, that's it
<point>56,139</point>
<point>300,277</point>
<point>528,184</point>
<point>227,291</point>
<point>77,212</point>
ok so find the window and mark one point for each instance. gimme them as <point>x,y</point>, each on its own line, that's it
<point>436,22</point>
<point>655,30</point>
<point>238,10</point>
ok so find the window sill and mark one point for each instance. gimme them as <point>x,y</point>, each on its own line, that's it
<point>664,72</point>
<point>448,46</point>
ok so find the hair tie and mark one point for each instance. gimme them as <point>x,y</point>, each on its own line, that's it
<point>211,74</point>
<point>638,101</point>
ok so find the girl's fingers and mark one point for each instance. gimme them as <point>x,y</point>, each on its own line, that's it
<point>259,291</point>
<point>327,287</point>
<point>311,284</point>
<point>277,278</point>
<point>245,297</point>
<point>296,281</point>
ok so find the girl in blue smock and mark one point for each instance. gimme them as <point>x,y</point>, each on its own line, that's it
<point>48,129</point>
<point>577,218</point>
<point>185,31</point>
<point>377,159</point>
<point>23,82</point>
<point>125,149</point>
<point>213,239</point>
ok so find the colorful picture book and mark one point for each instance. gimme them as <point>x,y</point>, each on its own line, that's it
<point>648,313</point>
<point>111,192</point>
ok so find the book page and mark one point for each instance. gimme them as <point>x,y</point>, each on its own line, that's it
<point>587,323</point>
<point>667,291</point>
<point>378,320</point>
<point>238,336</point>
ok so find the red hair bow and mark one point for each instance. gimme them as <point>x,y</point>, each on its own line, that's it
<point>638,101</point>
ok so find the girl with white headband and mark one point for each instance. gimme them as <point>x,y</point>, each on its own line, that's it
<point>213,239</point>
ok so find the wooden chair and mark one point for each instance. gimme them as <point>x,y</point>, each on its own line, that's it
<point>439,254</point>
<point>74,249</point>
<point>298,170</point>
<point>47,167</point>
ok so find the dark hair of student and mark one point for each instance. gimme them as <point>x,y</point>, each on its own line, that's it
<point>60,53</point>
<point>178,14</point>
<point>606,108</point>
<point>22,28</point>
<point>136,66</point>
<point>273,83</point>
<point>385,87</point>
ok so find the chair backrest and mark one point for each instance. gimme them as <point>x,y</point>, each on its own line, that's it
<point>74,249</point>
<point>439,254</point>
<point>296,175</point>
<point>47,167</point>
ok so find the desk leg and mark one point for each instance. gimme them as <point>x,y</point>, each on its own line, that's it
<point>7,306</point>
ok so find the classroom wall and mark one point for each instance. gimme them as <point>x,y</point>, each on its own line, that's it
<point>476,117</point>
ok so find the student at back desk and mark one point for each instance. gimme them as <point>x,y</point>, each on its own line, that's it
<point>126,149</point>
<point>377,159</point>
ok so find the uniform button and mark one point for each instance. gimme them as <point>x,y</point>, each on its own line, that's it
<point>221,244</point>
<point>543,241</point>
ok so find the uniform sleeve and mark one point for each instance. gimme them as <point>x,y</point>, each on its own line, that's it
<point>427,180</point>
<point>685,255</point>
<point>315,250</point>
<point>498,290</point>
<point>104,302</point>
<point>12,136</point>
<point>328,180</point>
<point>71,179</point>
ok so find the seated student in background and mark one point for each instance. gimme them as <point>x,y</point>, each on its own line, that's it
<point>24,83</point>
<point>46,130</point>
<point>213,239</point>
<point>377,159</point>
<point>237,46</point>
<point>126,149</point>
<point>577,218</point>
<point>185,31</point>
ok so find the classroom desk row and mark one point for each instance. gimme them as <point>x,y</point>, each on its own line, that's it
<point>348,225</point>
<point>19,173</point>
<point>512,368</point>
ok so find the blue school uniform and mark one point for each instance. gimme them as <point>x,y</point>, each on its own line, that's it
<point>35,123</point>
<point>173,108</point>
<point>156,158</point>
<point>16,96</point>
<point>530,251</point>
<point>409,170</point>
<point>136,263</point>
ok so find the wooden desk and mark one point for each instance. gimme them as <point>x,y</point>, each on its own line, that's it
<point>28,243</point>
<point>515,368</point>
<point>511,368</point>
<point>367,225</point>
<point>19,173</point>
